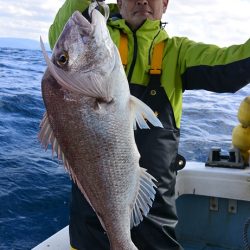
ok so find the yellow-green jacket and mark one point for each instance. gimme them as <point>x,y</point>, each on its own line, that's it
<point>186,64</point>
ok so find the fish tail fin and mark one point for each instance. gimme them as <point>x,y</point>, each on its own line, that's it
<point>145,197</point>
<point>142,113</point>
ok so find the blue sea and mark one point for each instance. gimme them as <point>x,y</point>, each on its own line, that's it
<point>34,188</point>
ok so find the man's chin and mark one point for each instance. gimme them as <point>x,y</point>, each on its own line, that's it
<point>137,22</point>
<point>143,15</point>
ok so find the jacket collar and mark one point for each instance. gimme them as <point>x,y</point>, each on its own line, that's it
<point>149,28</point>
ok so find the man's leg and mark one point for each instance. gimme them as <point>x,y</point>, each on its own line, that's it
<point>86,232</point>
<point>157,230</point>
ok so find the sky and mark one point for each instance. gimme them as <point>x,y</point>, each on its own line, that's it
<point>222,22</point>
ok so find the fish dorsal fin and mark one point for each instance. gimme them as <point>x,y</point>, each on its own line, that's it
<point>46,137</point>
<point>142,113</point>
<point>145,197</point>
<point>93,87</point>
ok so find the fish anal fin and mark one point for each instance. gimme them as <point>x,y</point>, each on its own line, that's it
<point>145,197</point>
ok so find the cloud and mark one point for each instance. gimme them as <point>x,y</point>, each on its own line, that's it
<point>218,21</point>
<point>27,18</point>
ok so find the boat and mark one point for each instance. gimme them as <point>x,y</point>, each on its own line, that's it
<point>213,205</point>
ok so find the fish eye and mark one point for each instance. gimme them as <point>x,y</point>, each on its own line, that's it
<point>63,59</point>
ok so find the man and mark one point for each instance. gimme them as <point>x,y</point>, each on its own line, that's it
<point>185,65</point>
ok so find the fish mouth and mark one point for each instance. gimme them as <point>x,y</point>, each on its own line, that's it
<point>78,19</point>
<point>95,16</point>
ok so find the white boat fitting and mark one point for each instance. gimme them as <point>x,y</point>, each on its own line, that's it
<point>58,241</point>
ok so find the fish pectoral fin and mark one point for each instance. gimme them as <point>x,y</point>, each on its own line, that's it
<point>46,137</point>
<point>145,197</point>
<point>91,86</point>
<point>142,113</point>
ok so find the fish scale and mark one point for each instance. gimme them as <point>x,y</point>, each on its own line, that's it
<point>96,137</point>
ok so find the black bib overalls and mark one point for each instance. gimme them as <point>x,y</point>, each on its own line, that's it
<point>158,148</point>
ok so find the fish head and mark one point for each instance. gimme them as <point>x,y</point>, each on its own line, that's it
<point>84,56</point>
<point>84,46</point>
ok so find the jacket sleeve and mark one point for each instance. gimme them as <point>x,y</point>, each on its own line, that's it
<point>212,68</point>
<point>62,17</point>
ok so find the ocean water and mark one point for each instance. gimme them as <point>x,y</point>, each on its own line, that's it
<point>34,188</point>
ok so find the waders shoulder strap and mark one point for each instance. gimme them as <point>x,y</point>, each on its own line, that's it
<point>156,62</point>
<point>123,49</point>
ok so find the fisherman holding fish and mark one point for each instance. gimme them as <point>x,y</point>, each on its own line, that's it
<point>159,69</point>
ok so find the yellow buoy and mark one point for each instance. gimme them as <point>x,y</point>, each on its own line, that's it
<point>244,112</point>
<point>245,156</point>
<point>241,140</point>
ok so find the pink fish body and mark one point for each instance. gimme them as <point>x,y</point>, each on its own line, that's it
<point>89,121</point>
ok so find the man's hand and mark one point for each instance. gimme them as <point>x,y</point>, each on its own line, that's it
<point>100,4</point>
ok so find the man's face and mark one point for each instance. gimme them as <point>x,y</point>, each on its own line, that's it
<point>135,12</point>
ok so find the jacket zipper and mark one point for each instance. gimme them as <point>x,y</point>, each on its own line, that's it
<point>130,73</point>
<point>131,69</point>
<point>149,52</point>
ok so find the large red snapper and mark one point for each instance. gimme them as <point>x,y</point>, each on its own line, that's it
<point>89,121</point>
